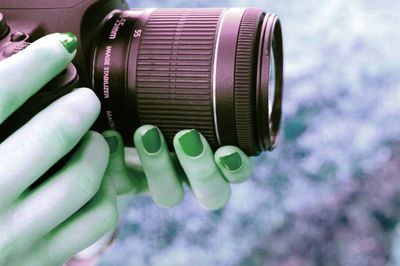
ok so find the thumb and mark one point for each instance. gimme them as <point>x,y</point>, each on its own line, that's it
<point>123,179</point>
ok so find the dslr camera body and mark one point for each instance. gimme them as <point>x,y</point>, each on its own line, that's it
<point>219,70</point>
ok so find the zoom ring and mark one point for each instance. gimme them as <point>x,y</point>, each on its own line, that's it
<point>245,80</point>
<point>174,74</point>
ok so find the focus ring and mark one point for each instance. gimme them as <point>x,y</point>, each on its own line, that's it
<point>245,80</point>
<point>174,71</point>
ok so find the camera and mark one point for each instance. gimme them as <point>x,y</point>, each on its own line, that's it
<point>217,70</point>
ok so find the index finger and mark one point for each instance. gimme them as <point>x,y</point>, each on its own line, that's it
<point>197,160</point>
<point>24,74</point>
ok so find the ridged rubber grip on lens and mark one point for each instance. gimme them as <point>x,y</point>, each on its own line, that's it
<point>174,74</point>
<point>245,80</point>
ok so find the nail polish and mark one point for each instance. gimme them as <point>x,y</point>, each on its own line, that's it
<point>112,143</point>
<point>70,41</point>
<point>191,143</point>
<point>232,161</point>
<point>151,140</point>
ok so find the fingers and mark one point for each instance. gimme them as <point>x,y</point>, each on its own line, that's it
<point>234,164</point>
<point>163,181</point>
<point>124,181</point>
<point>81,230</point>
<point>25,73</point>
<point>60,196</point>
<point>51,134</point>
<point>210,173</point>
<point>197,160</point>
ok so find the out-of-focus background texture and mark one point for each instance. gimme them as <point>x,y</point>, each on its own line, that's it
<point>330,193</point>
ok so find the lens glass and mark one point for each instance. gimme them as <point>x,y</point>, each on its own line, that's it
<point>271,82</point>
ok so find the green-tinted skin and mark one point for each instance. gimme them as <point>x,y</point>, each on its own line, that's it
<point>78,205</point>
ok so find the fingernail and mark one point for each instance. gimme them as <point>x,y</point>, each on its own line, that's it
<point>232,161</point>
<point>151,140</point>
<point>112,143</point>
<point>191,143</point>
<point>69,40</point>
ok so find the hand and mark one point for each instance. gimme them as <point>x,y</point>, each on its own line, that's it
<point>160,172</point>
<point>76,206</point>
<point>70,210</point>
<point>208,174</point>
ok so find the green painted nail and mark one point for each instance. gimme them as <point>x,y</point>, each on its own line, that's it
<point>69,41</point>
<point>151,140</point>
<point>112,143</point>
<point>191,143</point>
<point>232,161</point>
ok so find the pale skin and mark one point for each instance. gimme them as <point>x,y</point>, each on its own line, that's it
<point>72,209</point>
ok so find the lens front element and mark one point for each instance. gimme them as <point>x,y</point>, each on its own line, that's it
<point>269,83</point>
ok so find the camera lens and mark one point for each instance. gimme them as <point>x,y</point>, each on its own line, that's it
<point>219,71</point>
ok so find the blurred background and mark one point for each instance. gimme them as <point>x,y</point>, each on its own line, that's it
<point>330,193</point>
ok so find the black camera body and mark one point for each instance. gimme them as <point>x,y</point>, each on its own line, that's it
<point>30,20</point>
<point>218,70</point>
<point>23,22</point>
<point>26,21</point>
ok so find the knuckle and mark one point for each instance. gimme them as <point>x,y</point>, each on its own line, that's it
<point>163,172</point>
<point>86,183</point>
<point>71,118</point>
<point>65,128</point>
<point>207,171</point>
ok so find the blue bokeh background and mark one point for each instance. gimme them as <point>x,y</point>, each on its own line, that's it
<point>330,193</point>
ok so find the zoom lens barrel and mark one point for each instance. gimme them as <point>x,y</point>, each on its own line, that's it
<point>219,71</point>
